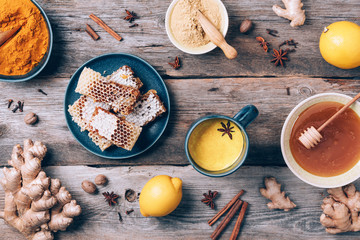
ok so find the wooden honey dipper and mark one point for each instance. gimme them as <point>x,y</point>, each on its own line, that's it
<point>216,36</point>
<point>311,136</point>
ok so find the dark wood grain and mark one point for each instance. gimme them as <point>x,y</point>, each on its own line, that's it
<point>149,40</point>
<point>190,99</point>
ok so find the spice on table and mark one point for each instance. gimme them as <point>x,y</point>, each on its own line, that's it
<point>224,209</point>
<point>89,30</point>
<point>105,27</point>
<point>110,197</point>
<point>209,198</point>
<point>226,129</point>
<point>31,118</point>
<point>120,217</point>
<point>15,108</point>
<point>129,211</point>
<point>21,106</point>
<point>134,25</point>
<point>131,16</point>
<point>239,221</point>
<point>101,179</point>
<point>279,57</point>
<point>272,32</point>
<point>227,219</point>
<point>176,65</point>
<point>10,101</point>
<point>246,26</point>
<point>290,42</point>
<point>41,91</point>
<point>288,91</point>
<point>26,49</point>
<point>130,195</point>
<point>88,187</point>
<point>263,43</point>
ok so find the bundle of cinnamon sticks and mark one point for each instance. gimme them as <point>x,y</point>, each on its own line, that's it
<point>233,206</point>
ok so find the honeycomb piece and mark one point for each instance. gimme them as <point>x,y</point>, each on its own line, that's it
<point>121,98</point>
<point>100,141</point>
<point>146,109</point>
<point>125,76</point>
<point>81,112</point>
<point>120,132</point>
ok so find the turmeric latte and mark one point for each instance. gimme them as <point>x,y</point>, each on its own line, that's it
<point>21,53</point>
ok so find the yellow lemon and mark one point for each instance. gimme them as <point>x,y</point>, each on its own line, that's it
<point>160,196</point>
<point>340,44</point>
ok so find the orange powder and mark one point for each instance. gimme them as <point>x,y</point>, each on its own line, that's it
<point>21,53</point>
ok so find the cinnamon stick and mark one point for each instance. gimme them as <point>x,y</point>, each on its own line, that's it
<point>239,221</point>
<point>224,209</point>
<point>226,220</point>
<point>91,32</point>
<point>105,27</point>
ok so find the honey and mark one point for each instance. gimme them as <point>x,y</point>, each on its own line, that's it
<point>338,150</point>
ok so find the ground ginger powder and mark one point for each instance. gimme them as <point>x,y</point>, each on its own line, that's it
<point>20,54</point>
<point>184,24</point>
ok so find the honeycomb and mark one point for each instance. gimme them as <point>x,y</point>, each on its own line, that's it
<point>121,132</point>
<point>146,109</point>
<point>121,98</point>
<point>81,112</point>
<point>125,76</point>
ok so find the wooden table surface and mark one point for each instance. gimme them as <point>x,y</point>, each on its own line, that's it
<point>206,84</point>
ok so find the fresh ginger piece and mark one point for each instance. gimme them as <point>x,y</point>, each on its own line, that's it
<point>273,193</point>
<point>341,210</point>
<point>35,204</point>
<point>293,11</point>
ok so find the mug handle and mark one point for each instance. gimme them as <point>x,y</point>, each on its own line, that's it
<point>246,115</point>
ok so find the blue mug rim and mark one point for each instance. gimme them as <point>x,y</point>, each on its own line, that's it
<point>192,162</point>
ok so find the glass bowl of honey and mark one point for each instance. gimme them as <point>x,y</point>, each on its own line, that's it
<point>335,161</point>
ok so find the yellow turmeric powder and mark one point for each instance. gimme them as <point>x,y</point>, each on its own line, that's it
<point>20,54</point>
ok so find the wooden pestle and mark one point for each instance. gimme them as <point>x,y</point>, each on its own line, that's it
<point>216,36</point>
<point>4,36</point>
<point>311,136</point>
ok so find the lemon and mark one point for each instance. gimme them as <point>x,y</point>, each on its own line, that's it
<point>340,44</point>
<point>160,196</point>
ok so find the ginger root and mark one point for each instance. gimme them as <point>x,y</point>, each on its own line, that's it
<point>35,204</point>
<point>273,193</point>
<point>293,11</point>
<point>341,210</point>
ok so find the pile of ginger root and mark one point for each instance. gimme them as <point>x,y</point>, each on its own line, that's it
<point>341,210</point>
<point>293,11</point>
<point>35,204</point>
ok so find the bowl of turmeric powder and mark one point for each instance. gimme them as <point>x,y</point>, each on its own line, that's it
<point>26,52</point>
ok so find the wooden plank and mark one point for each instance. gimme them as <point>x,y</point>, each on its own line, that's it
<point>189,220</point>
<point>190,99</point>
<point>149,40</point>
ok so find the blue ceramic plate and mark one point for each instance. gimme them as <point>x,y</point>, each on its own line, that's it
<point>36,70</point>
<point>151,79</point>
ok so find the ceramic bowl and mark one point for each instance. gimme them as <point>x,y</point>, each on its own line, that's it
<point>203,49</point>
<point>317,181</point>
<point>36,70</point>
<point>242,119</point>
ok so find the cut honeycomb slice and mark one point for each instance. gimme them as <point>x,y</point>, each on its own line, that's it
<point>146,109</point>
<point>125,76</point>
<point>121,132</point>
<point>121,98</point>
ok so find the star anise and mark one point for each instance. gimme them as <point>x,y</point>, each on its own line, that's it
<point>226,129</point>
<point>176,65</point>
<point>263,43</point>
<point>131,16</point>
<point>110,197</point>
<point>279,57</point>
<point>209,198</point>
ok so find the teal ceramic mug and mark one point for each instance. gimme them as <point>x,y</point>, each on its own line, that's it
<point>242,119</point>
